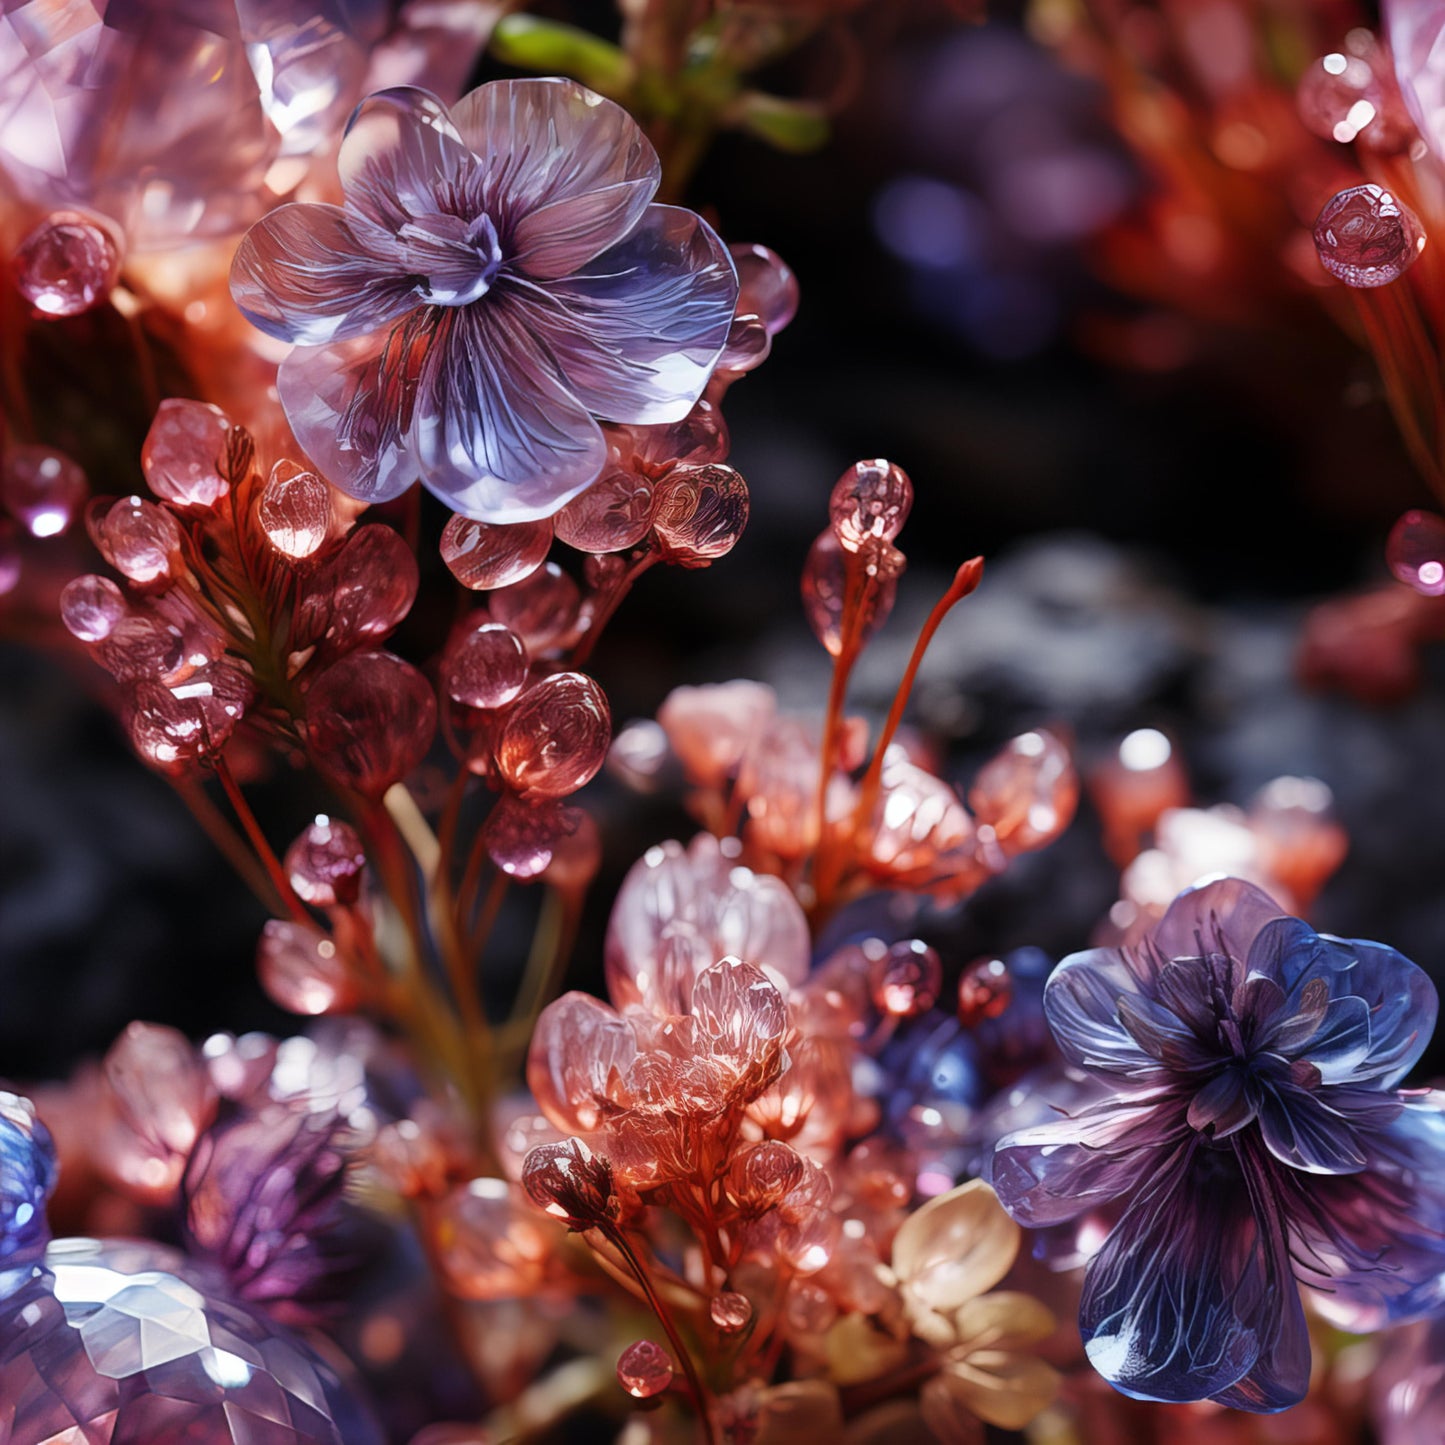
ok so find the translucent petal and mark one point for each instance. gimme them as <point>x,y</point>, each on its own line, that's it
<point>1227,910</point>
<point>955,1247</point>
<point>567,173</point>
<point>499,436</point>
<point>1082,1001</point>
<point>1000,1388</point>
<point>638,332</point>
<point>1003,1320</point>
<point>1191,1295</point>
<point>1301,1129</point>
<point>313,274</point>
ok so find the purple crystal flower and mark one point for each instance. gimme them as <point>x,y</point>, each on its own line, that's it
<point>27,1177</point>
<point>497,280</point>
<point>1252,1138</point>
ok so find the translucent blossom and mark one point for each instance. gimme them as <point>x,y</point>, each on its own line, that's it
<point>496,280</point>
<point>1252,1136</point>
<point>490,1243</point>
<point>710,727</point>
<point>27,1177</point>
<point>326,863</point>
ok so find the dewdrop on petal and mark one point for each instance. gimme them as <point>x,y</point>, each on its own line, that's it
<point>1366,237</point>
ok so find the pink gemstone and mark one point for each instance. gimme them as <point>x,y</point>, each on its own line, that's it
<point>1416,552</point>
<point>68,263</point>
<point>906,980</point>
<point>826,590</point>
<point>644,1370</point>
<point>555,738</point>
<point>570,1183</point>
<point>540,608</point>
<point>639,754</point>
<point>1366,236</point>
<point>1028,792</point>
<point>143,647</point>
<point>139,539</point>
<point>984,991</point>
<point>700,437</point>
<point>185,452</point>
<point>42,488</point>
<point>294,510</point>
<point>701,513</point>
<point>302,971</point>
<point>482,556</point>
<point>730,1311</point>
<point>327,863</point>
<point>524,839</point>
<point>91,606</point>
<point>160,1086</point>
<point>484,666</point>
<point>762,1175</point>
<point>613,514</point>
<point>870,503</point>
<point>369,721</point>
<point>748,344</point>
<point>767,286</point>
<point>576,856</point>
<point>360,593</point>
<point>170,726</point>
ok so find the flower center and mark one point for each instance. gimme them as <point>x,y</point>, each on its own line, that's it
<point>455,260</point>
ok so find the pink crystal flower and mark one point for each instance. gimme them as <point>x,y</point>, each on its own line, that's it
<point>497,280</point>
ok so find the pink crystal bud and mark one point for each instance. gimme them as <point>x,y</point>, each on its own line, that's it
<point>184,453</point>
<point>1366,237</point>
<point>139,539</point>
<point>362,592</point>
<point>730,1311</point>
<point>540,608</point>
<point>700,437</point>
<point>326,863</point>
<point>1300,841</point>
<point>302,971</point>
<point>984,991</point>
<point>555,738</point>
<point>144,646</point>
<point>370,720</point>
<point>906,980</point>
<point>571,1183</point>
<point>294,510</point>
<point>748,344</point>
<point>870,503</point>
<point>833,607</point>
<point>767,287</point>
<point>171,726</point>
<point>482,556</point>
<point>484,666</point>
<point>490,1245</point>
<point>1028,792</point>
<point>1416,552</point>
<point>701,513</point>
<point>576,855</point>
<point>68,263</point>
<point>711,727</point>
<point>613,514</point>
<point>42,488</point>
<point>763,1175</point>
<point>161,1087</point>
<point>644,1370</point>
<point>91,606</point>
<point>524,838</point>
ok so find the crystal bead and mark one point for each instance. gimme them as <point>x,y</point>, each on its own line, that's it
<point>1416,552</point>
<point>870,503</point>
<point>701,513</point>
<point>905,981</point>
<point>524,838</point>
<point>1366,237</point>
<point>139,539</point>
<point>644,1370</point>
<point>326,864</point>
<point>555,738</point>
<point>302,971</point>
<point>484,666</point>
<point>185,451</point>
<point>984,991</point>
<point>42,488</point>
<point>294,510</point>
<point>482,556</point>
<point>827,596</point>
<point>613,514</point>
<point>170,726</point>
<point>730,1311</point>
<point>767,287</point>
<point>362,592</point>
<point>1028,792</point>
<point>540,608</point>
<point>68,263</point>
<point>91,606</point>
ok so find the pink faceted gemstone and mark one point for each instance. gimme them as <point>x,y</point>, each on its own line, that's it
<point>161,1086</point>
<point>294,510</point>
<point>826,590</point>
<point>482,556</point>
<point>906,980</point>
<point>555,738</point>
<point>326,863</point>
<point>185,451</point>
<point>540,608</point>
<point>1367,237</point>
<point>984,991</point>
<point>1416,552</point>
<point>767,287</point>
<point>302,971</point>
<point>370,720</point>
<point>171,726</point>
<point>42,488</point>
<point>68,263</point>
<point>644,1370</point>
<point>1028,792</point>
<point>613,514</point>
<point>143,646</point>
<point>870,503</point>
<point>701,512</point>
<point>730,1311</point>
<point>91,606</point>
<point>484,666</point>
<point>139,539</point>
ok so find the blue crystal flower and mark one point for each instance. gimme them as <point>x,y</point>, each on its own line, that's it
<point>1252,1138</point>
<point>496,281</point>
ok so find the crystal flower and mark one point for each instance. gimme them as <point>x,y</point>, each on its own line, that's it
<point>497,279</point>
<point>1252,1137</point>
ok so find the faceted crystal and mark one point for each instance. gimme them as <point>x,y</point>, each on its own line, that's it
<point>555,737</point>
<point>1366,236</point>
<point>27,1177</point>
<point>523,838</point>
<point>832,607</point>
<point>700,513</point>
<point>91,606</point>
<point>326,863</point>
<point>730,1311</point>
<point>370,720</point>
<point>484,666</point>
<point>870,503</point>
<point>301,970</point>
<point>184,453</point>
<point>767,287</point>
<point>613,514</point>
<point>362,591</point>
<point>68,263</point>
<point>540,608</point>
<point>906,980</point>
<point>42,489</point>
<point>1416,552</point>
<point>139,539</point>
<point>482,556</point>
<point>644,1370</point>
<point>294,510</point>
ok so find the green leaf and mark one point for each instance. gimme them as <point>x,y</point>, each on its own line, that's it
<point>550,48</point>
<point>790,125</point>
